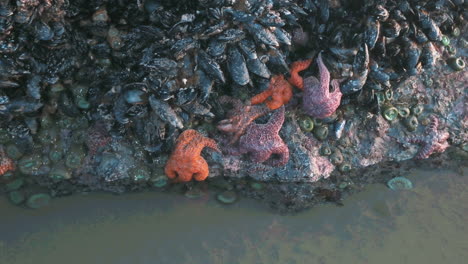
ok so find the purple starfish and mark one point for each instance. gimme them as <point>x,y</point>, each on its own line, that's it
<point>433,140</point>
<point>317,100</point>
<point>262,140</point>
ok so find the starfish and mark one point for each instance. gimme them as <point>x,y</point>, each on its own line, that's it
<point>433,140</point>
<point>317,100</point>
<point>280,90</point>
<point>186,161</point>
<point>6,164</point>
<point>296,67</point>
<point>262,140</point>
<point>240,117</point>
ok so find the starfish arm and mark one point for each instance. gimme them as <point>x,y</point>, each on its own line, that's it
<point>260,156</point>
<point>261,97</point>
<point>202,173</point>
<point>170,172</point>
<point>283,153</point>
<point>276,121</point>
<point>425,151</point>
<point>297,67</point>
<point>186,136</point>
<point>324,76</point>
<point>210,143</point>
<point>415,139</point>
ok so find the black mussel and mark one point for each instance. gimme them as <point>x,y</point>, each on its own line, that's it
<point>381,13</point>
<point>185,96</point>
<point>405,7</point>
<point>262,34</point>
<point>120,109</point>
<point>240,16</point>
<point>412,54</point>
<point>429,55</point>
<point>135,96</point>
<point>431,28</point>
<point>379,75</point>
<point>66,105</point>
<point>276,62</point>
<point>4,99</point>
<point>165,112</point>
<point>257,67</point>
<point>43,31</point>
<point>282,36</point>
<point>8,84</point>
<point>247,47</point>
<point>398,15</point>
<point>182,46</point>
<point>237,66</point>
<point>360,70</point>
<point>162,66</point>
<point>391,29</point>
<point>22,105</point>
<point>361,60</point>
<point>214,30</point>
<point>393,49</point>
<point>343,53</point>
<point>272,20</point>
<point>137,110</point>
<point>231,35</point>
<point>324,8</point>
<point>372,32</point>
<point>210,66</point>
<point>404,28</point>
<point>205,84</point>
<point>33,87</point>
<point>420,37</point>
<point>197,109</point>
<point>216,48</point>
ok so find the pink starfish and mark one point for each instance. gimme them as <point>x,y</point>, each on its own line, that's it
<point>433,140</point>
<point>317,100</point>
<point>262,140</point>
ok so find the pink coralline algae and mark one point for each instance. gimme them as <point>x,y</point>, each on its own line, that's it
<point>432,141</point>
<point>263,140</point>
<point>317,100</point>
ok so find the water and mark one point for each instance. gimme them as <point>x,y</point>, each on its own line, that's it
<point>424,225</point>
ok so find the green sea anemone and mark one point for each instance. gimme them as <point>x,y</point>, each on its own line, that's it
<point>400,183</point>
<point>16,197</point>
<point>321,132</point>
<point>306,123</point>
<point>445,40</point>
<point>390,113</point>
<point>457,64</point>
<point>345,167</point>
<point>336,157</point>
<point>325,150</point>
<point>159,181</point>
<point>417,109</point>
<point>38,200</point>
<point>404,112</point>
<point>411,123</point>
<point>227,197</point>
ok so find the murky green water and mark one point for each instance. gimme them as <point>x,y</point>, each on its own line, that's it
<point>425,225</point>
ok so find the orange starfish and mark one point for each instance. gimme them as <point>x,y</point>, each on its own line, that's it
<point>297,67</point>
<point>279,91</point>
<point>185,161</point>
<point>6,164</point>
